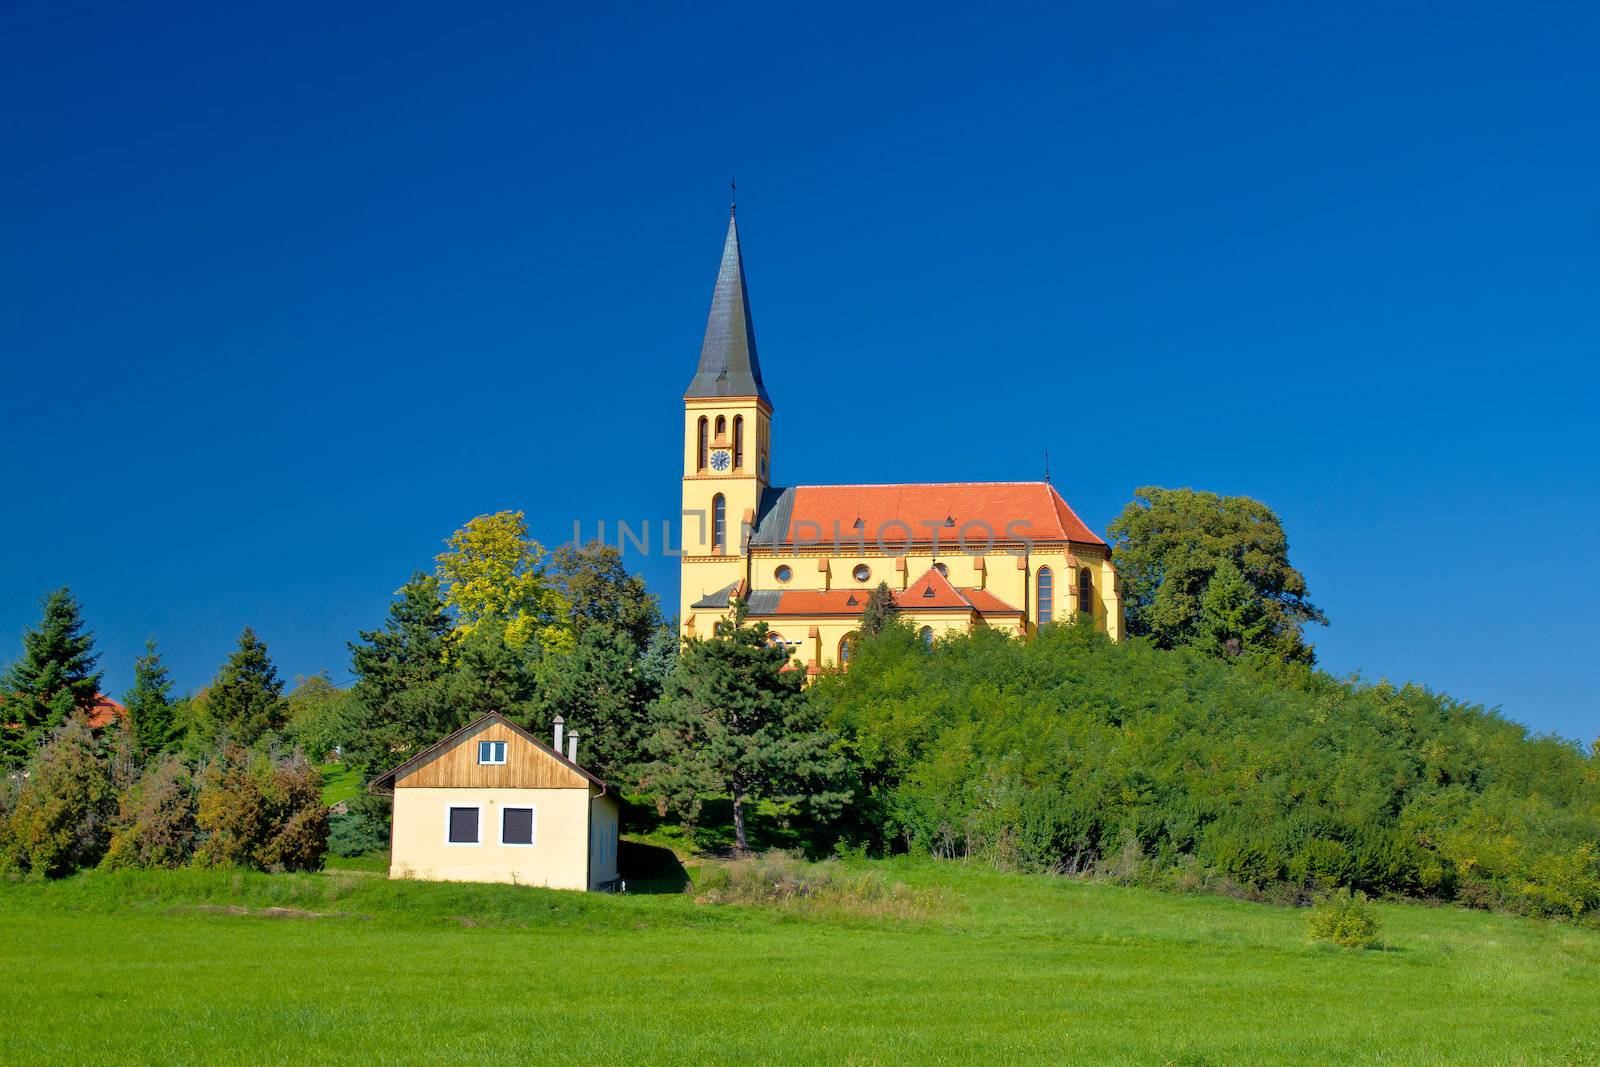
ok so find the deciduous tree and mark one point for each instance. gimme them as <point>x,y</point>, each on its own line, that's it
<point>63,815</point>
<point>1169,543</point>
<point>598,590</point>
<point>493,574</point>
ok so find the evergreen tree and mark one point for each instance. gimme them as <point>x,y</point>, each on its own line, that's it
<point>149,704</point>
<point>54,677</point>
<point>246,703</point>
<point>401,674</point>
<point>491,674</point>
<point>880,612</point>
<point>733,722</point>
<point>604,692</point>
<point>1232,620</point>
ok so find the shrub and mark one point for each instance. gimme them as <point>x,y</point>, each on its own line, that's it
<point>260,812</point>
<point>156,821</point>
<point>64,810</point>
<point>785,880</point>
<point>353,833</point>
<point>1345,919</point>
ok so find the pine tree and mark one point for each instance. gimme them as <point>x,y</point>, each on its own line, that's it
<point>604,691</point>
<point>54,677</point>
<point>1232,618</point>
<point>733,722</point>
<point>149,703</point>
<point>401,675</point>
<point>246,703</point>
<point>880,612</point>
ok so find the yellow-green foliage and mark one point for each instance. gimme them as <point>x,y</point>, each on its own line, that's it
<point>493,571</point>
<point>156,824</point>
<point>1345,919</point>
<point>63,810</point>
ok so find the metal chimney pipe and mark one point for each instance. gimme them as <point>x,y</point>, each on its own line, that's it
<point>572,746</point>
<point>560,725</point>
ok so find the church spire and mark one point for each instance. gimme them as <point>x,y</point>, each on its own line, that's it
<point>728,363</point>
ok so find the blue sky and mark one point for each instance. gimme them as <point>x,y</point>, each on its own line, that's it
<point>287,295</point>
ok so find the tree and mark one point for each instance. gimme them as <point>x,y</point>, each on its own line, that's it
<point>63,815</point>
<point>493,575</point>
<point>604,690</point>
<point>54,677</point>
<point>246,703</point>
<point>401,674</point>
<point>261,812</point>
<point>322,717</point>
<point>1169,543</point>
<point>880,611</point>
<point>1232,620</point>
<point>156,819</point>
<point>149,704</point>
<point>598,590</point>
<point>492,674</point>
<point>733,722</point>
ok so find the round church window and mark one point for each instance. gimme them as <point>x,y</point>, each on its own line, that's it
<point>783,574</point>
<point>862,572</point>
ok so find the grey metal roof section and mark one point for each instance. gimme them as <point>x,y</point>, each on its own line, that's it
<point>772,523</point>
<point>764,601</point>
<point>720,599</point>
<point>728,363</point>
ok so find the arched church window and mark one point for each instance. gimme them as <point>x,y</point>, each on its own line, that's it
<point>719,523</point>
<point>844,649</point>
<point>1085,591</point>
<point>1046,599</point>
<point>722,427</point>
<point>942,569</point>
<point>738,442</point>
<point>927,636</point>
<point>701,447</point>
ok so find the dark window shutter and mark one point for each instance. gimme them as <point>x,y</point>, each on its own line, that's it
<point>518,827</point>
<point>464,826</point>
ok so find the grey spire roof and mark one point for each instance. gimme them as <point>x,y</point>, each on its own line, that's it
<point>728,363</point>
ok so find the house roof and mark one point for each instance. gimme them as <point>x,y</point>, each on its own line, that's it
<point>105,712</point>
<point>384,783</point>
<point>930,592</point>
<point>918,512</point>
<point>728,362</point>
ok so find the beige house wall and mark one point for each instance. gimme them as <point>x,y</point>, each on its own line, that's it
<point>558,858</point>
<point>603,842</point>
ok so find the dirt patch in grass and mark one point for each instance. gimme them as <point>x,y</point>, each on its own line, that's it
<point>263,913</point>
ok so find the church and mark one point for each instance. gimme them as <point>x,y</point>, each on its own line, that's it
<point>804,558</point>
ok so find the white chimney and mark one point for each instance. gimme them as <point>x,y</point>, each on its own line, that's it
<point>560,725</point>
<point>572,747</point>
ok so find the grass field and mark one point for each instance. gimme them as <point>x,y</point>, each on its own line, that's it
<point>194,966</point>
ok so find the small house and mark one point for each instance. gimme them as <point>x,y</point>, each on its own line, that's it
<point>493,803</point>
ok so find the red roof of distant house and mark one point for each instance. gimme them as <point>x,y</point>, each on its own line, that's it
<point>919,512</point>
<point>105,712</point>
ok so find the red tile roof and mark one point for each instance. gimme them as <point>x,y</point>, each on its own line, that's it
<point>105,712</point>
<point>931,592</point>
<point>1003,510</point>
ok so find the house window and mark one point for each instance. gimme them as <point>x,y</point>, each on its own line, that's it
<point>1085,591</point>
<point>701,447</point>
<point>462,826</point>
<point>738,442</point>
<point>1047,597</point>
<point>927,636</point>
<point>719,523</point>
<point>516,826</point>
<point>491,751</point>
<point>862,572</point>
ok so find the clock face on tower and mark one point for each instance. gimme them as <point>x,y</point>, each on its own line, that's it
<point>720,460</point>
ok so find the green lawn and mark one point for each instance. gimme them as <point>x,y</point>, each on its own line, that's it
<point>189,966</point>
<point>340,782</point>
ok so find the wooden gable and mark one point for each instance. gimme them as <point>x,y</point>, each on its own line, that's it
<point>456,766</point>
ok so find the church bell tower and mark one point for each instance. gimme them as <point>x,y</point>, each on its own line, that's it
<point>727,441</point>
